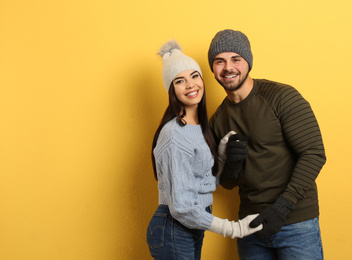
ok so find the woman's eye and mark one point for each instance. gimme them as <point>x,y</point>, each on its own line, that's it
<point>178,82</point>
<point>195,76</point>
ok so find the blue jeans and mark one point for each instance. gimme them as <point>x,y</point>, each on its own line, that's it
<point>294,242</point>
<point>169,239</point>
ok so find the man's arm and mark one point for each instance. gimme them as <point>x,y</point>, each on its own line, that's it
<point>301,130</point>
<point>303,135</point>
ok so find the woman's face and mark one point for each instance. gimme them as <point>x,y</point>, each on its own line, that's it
<point>189,88</point>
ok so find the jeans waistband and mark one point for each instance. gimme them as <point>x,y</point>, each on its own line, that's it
<point>165,208</point>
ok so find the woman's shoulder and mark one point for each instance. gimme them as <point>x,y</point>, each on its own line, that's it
<point>176,135</point>
<point>174,129</point>
<point>170,129</point>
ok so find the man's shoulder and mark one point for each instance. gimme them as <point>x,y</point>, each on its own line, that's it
<point>270,88</point>
<point>265,84</point>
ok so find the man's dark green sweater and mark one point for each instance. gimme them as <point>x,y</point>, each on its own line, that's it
<point>285,149</point>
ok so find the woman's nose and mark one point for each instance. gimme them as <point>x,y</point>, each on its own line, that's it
<point>190,84</point>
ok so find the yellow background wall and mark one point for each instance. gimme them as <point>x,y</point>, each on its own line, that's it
<point>81,96</point>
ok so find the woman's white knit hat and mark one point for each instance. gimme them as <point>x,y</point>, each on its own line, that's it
<point>175,62</point>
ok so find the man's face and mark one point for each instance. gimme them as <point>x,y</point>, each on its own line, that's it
<point>230,70</point>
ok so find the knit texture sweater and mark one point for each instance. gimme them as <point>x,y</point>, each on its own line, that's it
<point>285,149</point>
<point>184,169</point>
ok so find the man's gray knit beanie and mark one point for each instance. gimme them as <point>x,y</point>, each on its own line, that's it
<point>230,41</point>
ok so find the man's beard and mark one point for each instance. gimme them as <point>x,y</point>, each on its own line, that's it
<point>233,88</point>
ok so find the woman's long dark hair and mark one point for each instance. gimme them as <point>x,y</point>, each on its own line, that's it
<point>174,110</point>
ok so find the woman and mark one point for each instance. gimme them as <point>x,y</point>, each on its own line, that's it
<point>183,155</point>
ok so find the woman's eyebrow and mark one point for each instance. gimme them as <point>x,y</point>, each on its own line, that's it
<point>178,78</point>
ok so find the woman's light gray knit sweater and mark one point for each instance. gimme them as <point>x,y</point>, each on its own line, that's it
<point>185,181</point>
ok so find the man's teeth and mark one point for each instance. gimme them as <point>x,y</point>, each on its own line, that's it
<point>192,93</point>
<point>230,77</point>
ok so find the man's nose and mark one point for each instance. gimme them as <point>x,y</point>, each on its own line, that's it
<point>227,66</point>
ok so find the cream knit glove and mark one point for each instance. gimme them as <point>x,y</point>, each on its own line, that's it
<point>234,229</point>
<point>222,151</point>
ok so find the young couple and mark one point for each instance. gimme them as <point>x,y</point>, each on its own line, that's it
<point>264,138</point>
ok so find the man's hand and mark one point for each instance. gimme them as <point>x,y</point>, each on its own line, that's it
<point>273,217</point>
<point>236,153</point>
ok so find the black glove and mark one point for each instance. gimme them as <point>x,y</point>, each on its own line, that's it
<point>236,153</point>
<point>273,217</point>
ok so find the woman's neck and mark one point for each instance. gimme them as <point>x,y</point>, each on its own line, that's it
<point>191,117</point>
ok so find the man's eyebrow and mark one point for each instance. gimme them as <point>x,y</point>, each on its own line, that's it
<point>232,57</point>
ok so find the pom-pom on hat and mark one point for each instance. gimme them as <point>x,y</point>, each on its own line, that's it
<point>230,41</point>
<point>175,62</point>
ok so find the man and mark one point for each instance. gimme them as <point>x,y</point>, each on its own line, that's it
<point>285,154</point>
